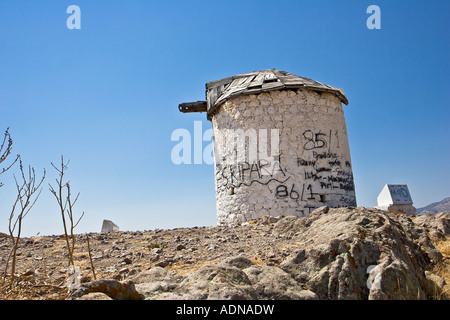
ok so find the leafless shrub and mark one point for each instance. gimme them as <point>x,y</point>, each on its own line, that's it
<point>25,200</point>
<point>5,151</point>
<point>64,198</point>
<point>90,257</point>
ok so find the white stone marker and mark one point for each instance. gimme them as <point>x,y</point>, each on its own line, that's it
<point>109,226</point>
<point>396,197</point>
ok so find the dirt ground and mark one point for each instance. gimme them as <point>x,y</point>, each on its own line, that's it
<point>42,269</point>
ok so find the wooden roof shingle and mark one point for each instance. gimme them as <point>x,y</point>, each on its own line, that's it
<point>219,91</point>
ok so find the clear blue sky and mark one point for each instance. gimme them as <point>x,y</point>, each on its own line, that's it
<point>106,96</point>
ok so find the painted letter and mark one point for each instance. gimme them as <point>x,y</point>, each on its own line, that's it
<point>208,153</point>
<point>263,144</point>
<point>74,21</point>
<point>241,137</point>
<point>198,142</point>
<point>374,21</point>
<point>184,146</point>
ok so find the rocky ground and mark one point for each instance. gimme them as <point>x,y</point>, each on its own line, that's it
<point>343,253</point>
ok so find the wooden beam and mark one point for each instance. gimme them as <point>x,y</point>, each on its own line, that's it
<point>187,107</point>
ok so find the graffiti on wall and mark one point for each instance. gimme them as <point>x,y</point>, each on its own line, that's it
<point>244,173</point>
<point>321,175</point>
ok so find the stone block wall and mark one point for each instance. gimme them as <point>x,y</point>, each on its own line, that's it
<point>282,152</point>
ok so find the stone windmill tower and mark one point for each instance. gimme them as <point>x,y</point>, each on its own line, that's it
<point>280,145</point>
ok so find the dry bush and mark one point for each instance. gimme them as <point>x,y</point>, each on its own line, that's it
<point>25,200</point>
<point>442,269</point>
<point>64,198</point>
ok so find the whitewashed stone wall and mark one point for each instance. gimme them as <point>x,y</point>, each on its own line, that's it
<point>306,165</point>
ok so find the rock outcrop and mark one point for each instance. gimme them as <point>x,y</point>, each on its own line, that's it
<point>437,226</point>
<point>342,253</point>
<point>117,290</point>
<point>359,254</point>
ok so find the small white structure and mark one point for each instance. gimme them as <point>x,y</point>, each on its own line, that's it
<point>109,226</point>
<point>396,197</point>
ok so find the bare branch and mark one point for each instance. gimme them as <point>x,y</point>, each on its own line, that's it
<point>75,225</point>
<point>90,256</point>
<point>66,206</point>
<point>26,197</point>
<point>5,151</point>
